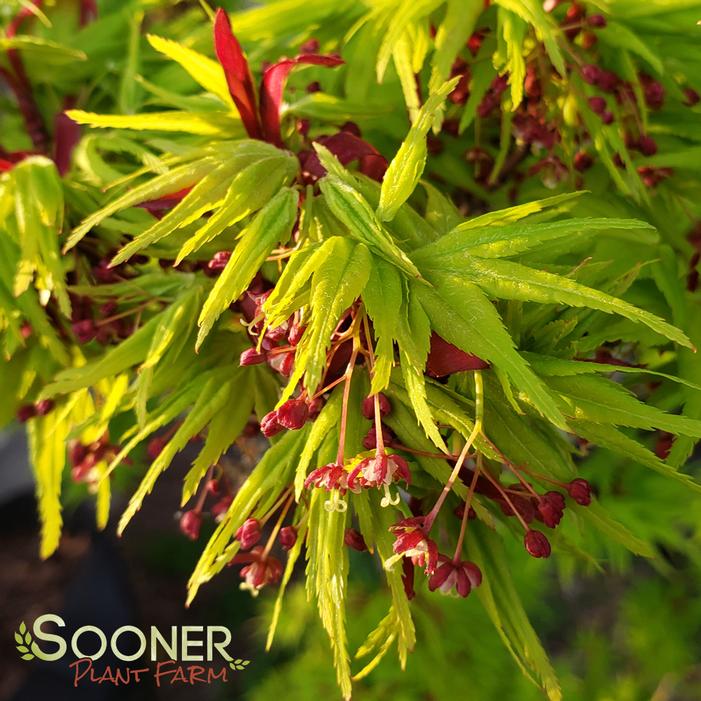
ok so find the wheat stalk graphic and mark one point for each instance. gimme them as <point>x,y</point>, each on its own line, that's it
<point>23,638</point>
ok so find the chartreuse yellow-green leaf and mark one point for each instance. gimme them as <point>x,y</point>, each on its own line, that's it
<point>257,494</point>
<point>335,286</point>
<point>250,189</point>
<point>407,165</point>
<point>461,313</point>
<point>204,70</point>
<point>212,397</point>
<point>509,280</point>
<point>220,124</point>
<point>502,603</point>
<point>270,227</point>
<point>383,297</point>
<point>327,567</point>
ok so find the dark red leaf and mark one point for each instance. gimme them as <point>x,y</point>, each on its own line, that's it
<point>88,11</point>
<point>25,13</point>
<point>444,359</point>
<point>374,166</point>
<point>273,86</point>
<point>237,72</point>
<point>346,147</point>
<point>66,138</point>
<point>158,206</point>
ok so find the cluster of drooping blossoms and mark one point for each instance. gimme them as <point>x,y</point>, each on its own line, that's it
<point>379,469</point>
<point>217,490</point>
<point>554,133</point>
<point>260,566</point>
<point>85,458</point>
<point>383,466</point>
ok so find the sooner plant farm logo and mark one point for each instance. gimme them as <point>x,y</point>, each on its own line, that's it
<point>182,655</point>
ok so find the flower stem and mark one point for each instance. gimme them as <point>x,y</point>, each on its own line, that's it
<point>479,415</point>
<point>466,512</point>
<point>348,375</point>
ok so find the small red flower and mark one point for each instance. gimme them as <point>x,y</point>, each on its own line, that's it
<point>269,425</point>
<point>295,333</point>
<point>219,261</point>
<point>84,330</point>
<point>252,357</point>
<point>26,412</point>
<point>370,440</point>
<point>462,576</point>
<point>331,476</point>
<point>597,104</point>
<point>550,508</point>
<point>379,470</point>
<point>76,452</point>
<point>412,541</point>
<point>261,569</point>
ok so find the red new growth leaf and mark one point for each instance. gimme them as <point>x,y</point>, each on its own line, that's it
<point>346,147</point>
<point>159,206</point>
<point>237,72</point>
<point>445,359</point>
<point>88,11</point>
<point>66,138</point>
<point>273,86</point>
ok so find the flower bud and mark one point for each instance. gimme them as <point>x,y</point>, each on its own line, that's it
<point>354,540</point>
<point>598,21</point>
<point>591,74</point>
<point>219,261</point>
<point>294,335</point>
<point>597,104</point>
<point>155,446</point>
<point>287,537</point>
<point>293,414</point>
<point>370,440</point>
<point>647,145</point>
<point>108,308</point>
<point>84,330</point>
<point>44,406</point>
<point>582,161</point>
<point>76,452</point>
<point>691,97</point>
<point>369,406</point>
<point>213,487</point>
<point>580,490</point>
<point>251,357</point>
<point>608,81</point>
<point>269,425</point>
<point>536,544</point>
<point>249,533</point>
<point>26,412</point>
<point>190,523</point>
<point>221,507</point>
